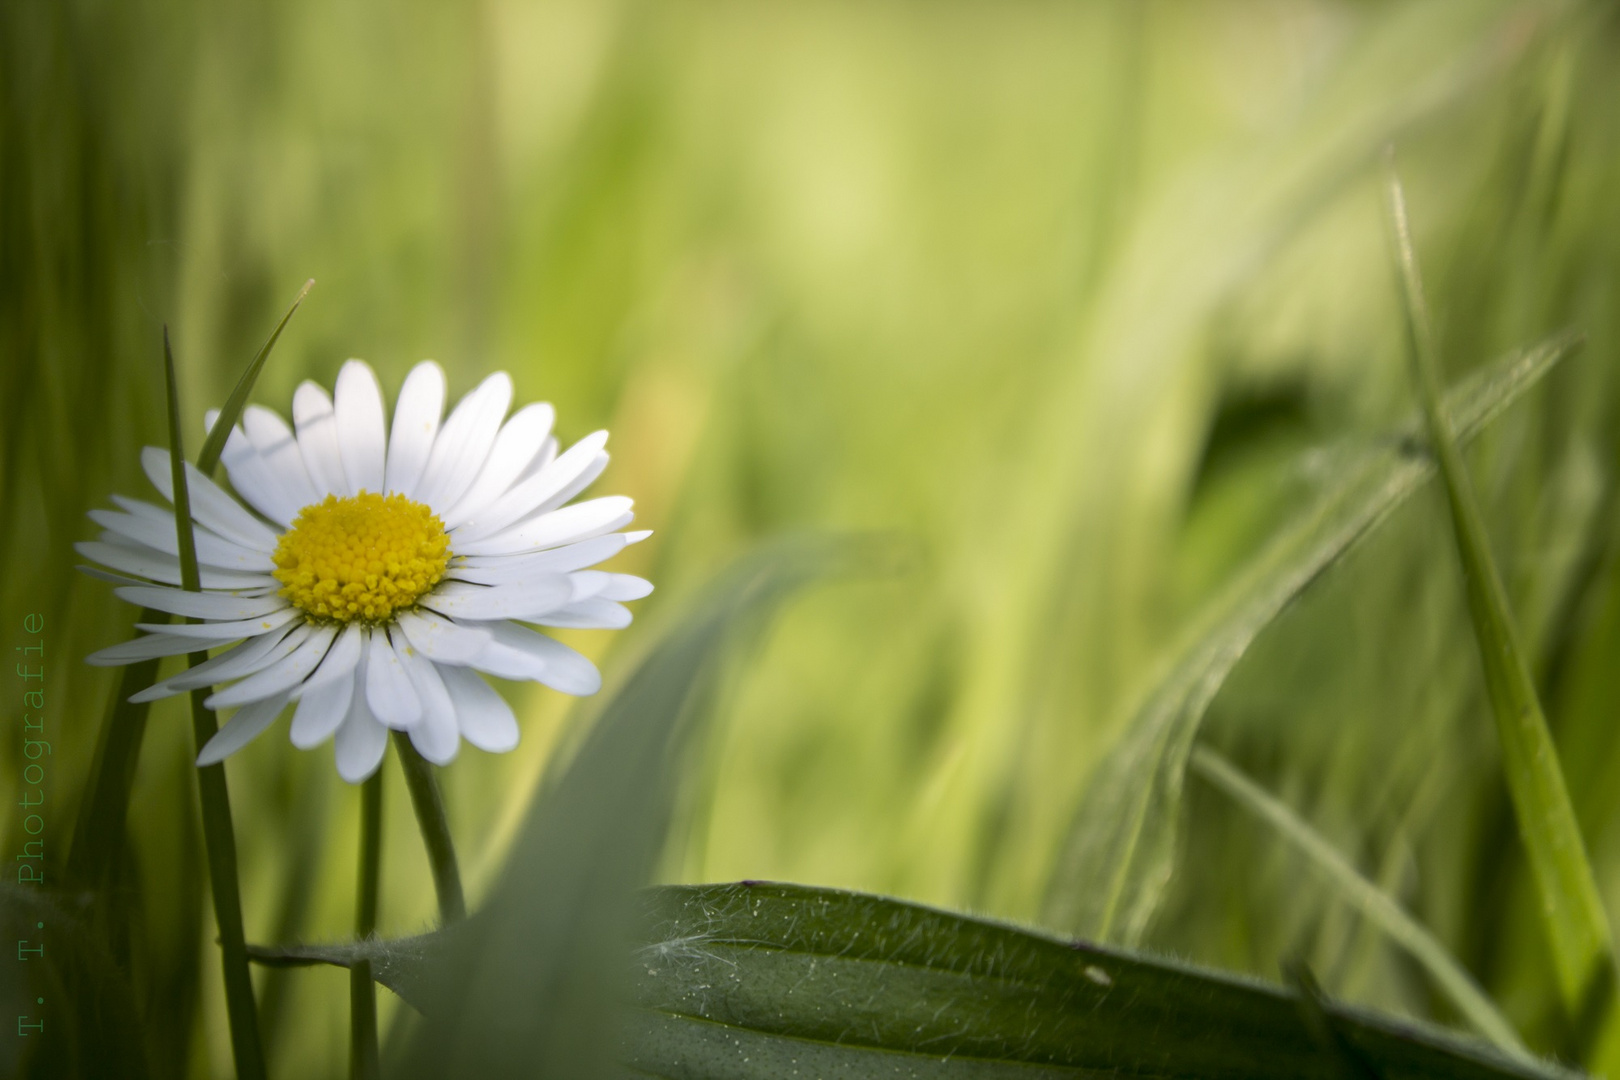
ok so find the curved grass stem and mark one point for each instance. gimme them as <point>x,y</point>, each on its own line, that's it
<point>430,818</point>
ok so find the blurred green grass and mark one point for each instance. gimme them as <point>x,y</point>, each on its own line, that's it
<point>1079,299</point>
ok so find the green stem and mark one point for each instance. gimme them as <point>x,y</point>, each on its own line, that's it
<point>363,1057</point>
<point>441,849</point>
<point>219,836</point>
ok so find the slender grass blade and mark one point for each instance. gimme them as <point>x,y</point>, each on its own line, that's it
<point>1572,907</point>
<point>218,833</point>
<point>231,412</point>
<point>1373,903</point>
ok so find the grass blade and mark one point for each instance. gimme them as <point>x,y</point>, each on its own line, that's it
<point>218,834</point>
<point>214,444</point>
<point>1375,904</point>
<point>1121,843</point>
<point>1570,902</point>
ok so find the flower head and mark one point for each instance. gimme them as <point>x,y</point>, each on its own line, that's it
<point>374,572</point>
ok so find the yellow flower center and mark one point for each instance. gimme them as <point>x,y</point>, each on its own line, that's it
<point>361,557</point>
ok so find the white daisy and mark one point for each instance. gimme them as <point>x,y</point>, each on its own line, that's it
<point>371,577</point>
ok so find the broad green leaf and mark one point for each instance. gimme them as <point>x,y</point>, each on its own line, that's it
<point>1376,905</point>
<point>231,411</point>
<point>1121,842</point>
<point>764,980</point>
<point>1571,906</point>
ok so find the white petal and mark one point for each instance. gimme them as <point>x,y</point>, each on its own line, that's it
<point>361,740</point>
<point>569,525</point>
<point>151,647</point>
<point>155,527</point>
<point>520,653</point>
<point>389,693</point>
<point>210,506</point>
<point>107,575</point>
<point>317,439</point>
<point>542,460</point>
<point>437,736</point>
<point>255,481</point>
<point>521,439</point>
<point>546,592</point>
<point>583,459</point>
<point>226,631</point>
<point>277,445</point>
<point>252,655</point>
<point>321,710</point>
<point>439,639</point>
<point>416,422</point>
<point>608,586</point>
<point>592,614</point>
<point>242,728</point>
<point>166,568</point>
<point>362,437</point>
<point>464,443</point>
<point>200,605</point>
<point>280,677</point>
<point>495,569</point>
<point>341,659</point>
<point>485,718</point>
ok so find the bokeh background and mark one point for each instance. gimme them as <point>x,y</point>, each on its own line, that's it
<point>1072,301</point>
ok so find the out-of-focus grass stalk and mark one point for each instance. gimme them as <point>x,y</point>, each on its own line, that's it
<point>99,830</point>
<point>1369,899</point>
<point>218,834</point>
<point>441,849</point>
<point>363,1055</point>
<point>1571,905</point>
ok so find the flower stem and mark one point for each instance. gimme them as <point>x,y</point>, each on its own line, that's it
<point>441,850</point>
<point>363,1057</point>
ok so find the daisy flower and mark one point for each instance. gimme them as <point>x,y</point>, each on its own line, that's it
<point>369,574</point>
